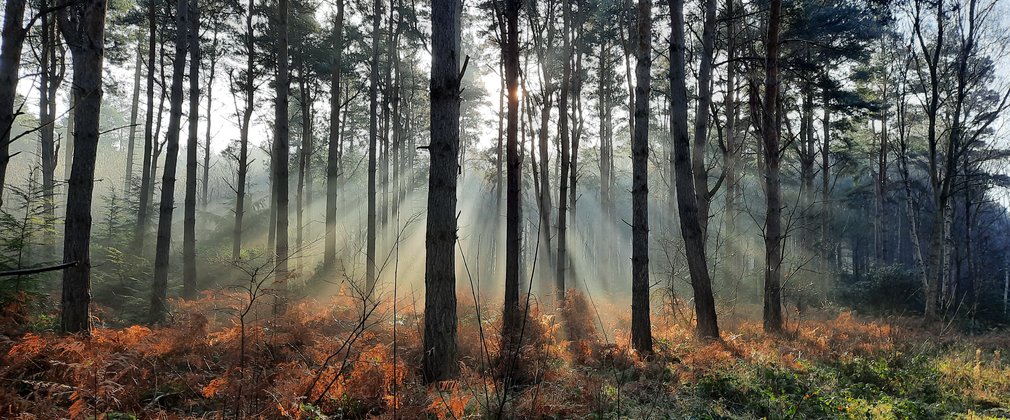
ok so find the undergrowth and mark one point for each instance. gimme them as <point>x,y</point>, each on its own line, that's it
<point>320,361</point>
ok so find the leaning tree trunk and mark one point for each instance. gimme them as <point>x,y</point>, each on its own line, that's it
<point>641,325</point>
<point>83,28</point>
<point>280,158</point>
<point>692,212</point>
<point>192,164</point>
<point>166,208</point>
<point>440,237</point>
<point>770,136</point>
<point>10,64</point>
<point>333,148</point>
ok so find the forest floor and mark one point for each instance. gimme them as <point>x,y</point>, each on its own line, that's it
<point>327,360</point>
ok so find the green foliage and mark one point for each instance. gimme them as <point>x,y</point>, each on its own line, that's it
<point>887,289</point>
<point>27,235</point>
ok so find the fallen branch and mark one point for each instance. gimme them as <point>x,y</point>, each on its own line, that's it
<point>36,270</point>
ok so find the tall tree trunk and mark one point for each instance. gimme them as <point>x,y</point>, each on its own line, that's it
<point>159,296</point>
<point>159,145</point>
<point>134,111</point>
<point>575,81</point>
<point>10,65</point>
<point>641,324</point>
<point>280,157</point>
<point>83,27</point>
<point>880,196</point>
<point>692,219</point>
<point>770,135</point>
<point>499,192</point>
<point>333,148</point>
<point>189,211</point>
<point>215,54</point>
<point>440,237</point>
<point>606,126</point>
<point>304,156</point>
<point>827,247</point>
<point>513,198</point>
<point>373,132</point>
<point>566,76</point>
<point>243,148</point>
<point>140,228</point>
<point>731,151</point>
<point>702,123</point>
<point>69,146</point>
<point>52,72</point>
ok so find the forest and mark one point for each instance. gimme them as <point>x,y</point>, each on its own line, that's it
<point>315,209</point>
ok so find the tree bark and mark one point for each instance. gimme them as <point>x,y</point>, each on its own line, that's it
<point>513,198</point>
<point>770,127</point>
<point>192,163</point>
<point>565,161</point>
<point>280,158</point>
<point>140,228</point>
<point>134,111</point>
<point>10,65</point>
<point>333,148</point>
<point>159,297</point>
<point>304,155</point>
<point>243,153</point>
<point>52,73</point>
<point>83,27</point>
<point>215,54</point>
<point>373,131</point>
<point>641,324</point>
<point>692,218</point>
<point>440,362</point>
<point>731,152</point>
<point>702,121</point>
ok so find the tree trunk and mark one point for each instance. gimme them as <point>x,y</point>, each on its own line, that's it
<point>159,296</point>
<point>373,131</point>
<point>641,324</point>
<point>304,156</point>
<point>134,111</point>
<point>827,247</point>
<point>702,122</point>
<point>280,158</point>
<point>189,211</point>
<point>333,148</point>
<point>566,75</point>
<point>513,198</point>
<point>770,134</point>
<point>140,228</point>
<point>692,225</point>
<point>731,152</point>
<point>215,54</point>
<point>83,26</point>
<point>243,153</point>
<point>10,64</point>
<point>440,238</point>
<point>52,72</point>
<point>880,196</point>
<point>606,127</point>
